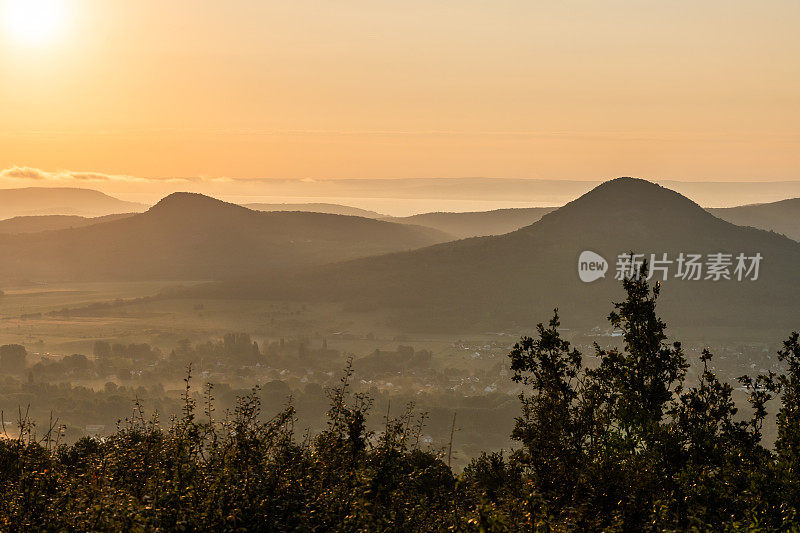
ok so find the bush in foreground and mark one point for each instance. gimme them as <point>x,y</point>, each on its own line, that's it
<point>625,445</point>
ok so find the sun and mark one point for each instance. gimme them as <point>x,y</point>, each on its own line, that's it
<point>33,22</point>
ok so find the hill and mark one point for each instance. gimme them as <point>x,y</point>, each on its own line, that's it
<point>781,217</point>
<point>518,278</point>
<point>33,224</point>
<point>478,223</point>
<point>191,236</point>
<point>331,209</point>
<point>61,201</point>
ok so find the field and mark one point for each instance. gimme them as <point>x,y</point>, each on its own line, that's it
<point>54,321</point>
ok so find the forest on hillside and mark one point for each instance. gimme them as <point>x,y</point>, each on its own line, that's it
<point>628,445</point>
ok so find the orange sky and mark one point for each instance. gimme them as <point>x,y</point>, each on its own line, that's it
<point>589,89</point>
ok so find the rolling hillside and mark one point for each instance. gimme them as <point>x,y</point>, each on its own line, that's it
<point>478,223</point>
<point>781,217</point>
<point>61,201</point>
<point>518,278</point>
<point>331,209</point>
<point>33,224</point>
<point>191,236</point>
<point>459,225</point>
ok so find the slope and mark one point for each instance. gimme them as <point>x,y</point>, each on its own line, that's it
<point>191,236</point>
<point>478,223</point>
<point>518,278</point>
<point>781,217</point>
<point>61,201</point>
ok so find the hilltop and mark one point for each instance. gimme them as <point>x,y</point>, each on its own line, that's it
<point>518,278</point>
<point>62,201</point>
<point>192,236</point>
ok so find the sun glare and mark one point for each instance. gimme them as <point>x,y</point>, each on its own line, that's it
<point>33,22</point>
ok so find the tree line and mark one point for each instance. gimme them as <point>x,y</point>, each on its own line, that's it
<point>628,444</point>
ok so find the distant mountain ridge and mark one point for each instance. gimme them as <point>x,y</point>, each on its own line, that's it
<point>478,223</point>
<point>190,236</point>
<point>331,209</point>
<point>62,201</point>
<point>36,223</point>
<point>518,278</point>
<point>782,217</point>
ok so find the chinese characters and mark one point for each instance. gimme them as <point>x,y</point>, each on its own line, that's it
<point>691,267</point>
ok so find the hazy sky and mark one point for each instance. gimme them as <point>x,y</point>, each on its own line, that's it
<point>591,89</point>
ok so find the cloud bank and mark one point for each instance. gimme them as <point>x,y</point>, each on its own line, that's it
<point>22,173</point>
<point>36,174</point>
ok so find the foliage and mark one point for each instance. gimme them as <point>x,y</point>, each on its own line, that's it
<point>12,358</point>
<point>630,445</point>
<point>626,443</point>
